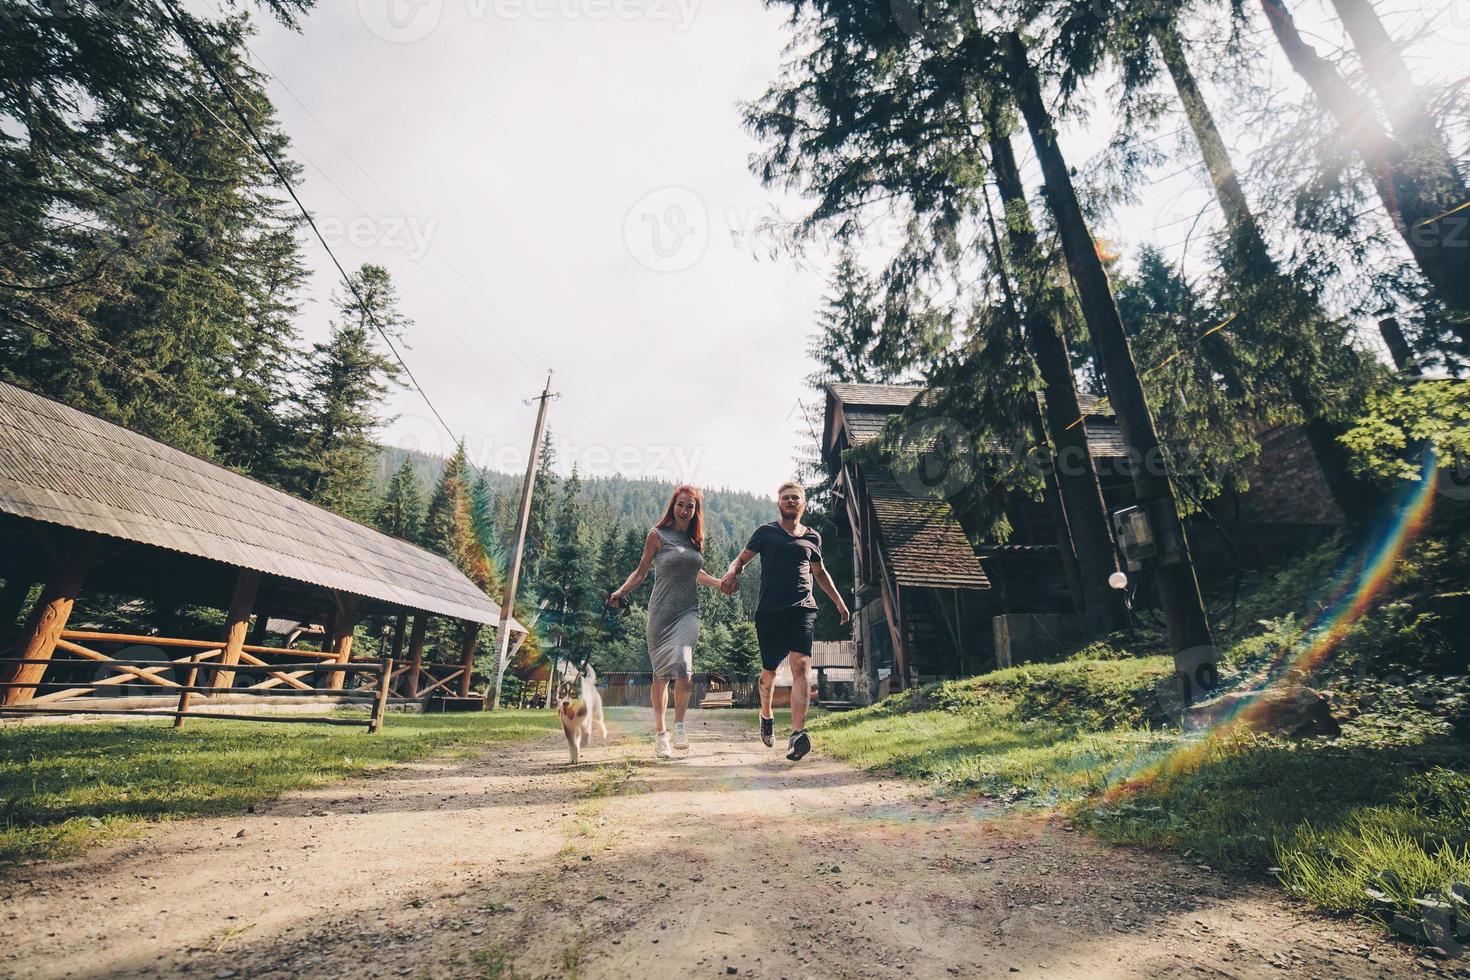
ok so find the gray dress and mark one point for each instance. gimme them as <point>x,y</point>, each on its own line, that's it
<point>673,611</point>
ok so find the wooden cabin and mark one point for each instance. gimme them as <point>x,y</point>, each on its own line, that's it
<point>934,599</point>
<point>927,586</point>
<point>97,514</point>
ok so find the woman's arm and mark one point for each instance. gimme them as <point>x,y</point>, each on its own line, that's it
<point>730,584</point>
<point>650,548</point>
<point>705,578</point>
<point>819,572</point>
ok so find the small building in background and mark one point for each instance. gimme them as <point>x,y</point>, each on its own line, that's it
<point>935,598</point>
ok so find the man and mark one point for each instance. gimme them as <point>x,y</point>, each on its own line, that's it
<point>786,612</point>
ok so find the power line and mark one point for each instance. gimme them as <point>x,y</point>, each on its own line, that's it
<point>582,418</point>
<point>185,32</point>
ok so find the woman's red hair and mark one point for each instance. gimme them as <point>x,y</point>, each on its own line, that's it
<point>696,523</point>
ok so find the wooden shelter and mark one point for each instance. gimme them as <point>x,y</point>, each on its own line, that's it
<point>89,507</point>
<point>926,592</point>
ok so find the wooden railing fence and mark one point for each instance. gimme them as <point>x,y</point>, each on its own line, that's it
<point>279,680</point>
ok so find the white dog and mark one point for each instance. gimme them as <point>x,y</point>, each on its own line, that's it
<point>580,715</point>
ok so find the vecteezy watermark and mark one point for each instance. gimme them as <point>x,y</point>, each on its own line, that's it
<point>935,22</point>
<point>407,21</point>
<point>667,230</point>
<point>1453,479</point>
<point>650,461</point>
<point>410,234</point>
<point>401,21</point>
<point>935,458</point>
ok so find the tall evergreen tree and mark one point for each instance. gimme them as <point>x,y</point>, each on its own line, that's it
<point>482,509</point>
<point>346,380</point>
<point>449,526</point>
<point>568,575</point>
<point>1417,181</point>
<point>541,523</point>
<point>401,513</point>
<point>146,254</point>
<point>848,328</point>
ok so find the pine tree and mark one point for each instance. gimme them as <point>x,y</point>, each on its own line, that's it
<point>568,575</point>
<point>161,302</point>
<point>402,511</point>
<point>346,380</point>
<point>541,523</point>
<point>1417,181</point>
<point>482,507</point>
<point>449,530</point>
<point>848,328</point>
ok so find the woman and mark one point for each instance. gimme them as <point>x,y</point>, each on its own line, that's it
<point>675,550</point>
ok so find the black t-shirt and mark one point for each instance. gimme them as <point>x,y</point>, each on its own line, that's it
<point>786,566</point>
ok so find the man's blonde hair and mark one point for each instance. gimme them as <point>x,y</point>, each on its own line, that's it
<point>791,485</point>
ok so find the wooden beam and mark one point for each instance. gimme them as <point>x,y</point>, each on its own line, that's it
<point>237,624</point>
<point>285,676</point>
<point>416,652</point>
<point>49,617</point>
<point>467,657</point>
<point>441,683</point>
<point>349,609</point>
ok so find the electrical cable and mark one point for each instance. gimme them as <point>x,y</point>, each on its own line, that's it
<point>185,32</point>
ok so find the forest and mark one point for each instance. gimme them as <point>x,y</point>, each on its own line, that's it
<point>152,271</point>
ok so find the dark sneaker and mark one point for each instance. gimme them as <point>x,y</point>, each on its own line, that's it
<point>801,744</point>
<point>768,731</point>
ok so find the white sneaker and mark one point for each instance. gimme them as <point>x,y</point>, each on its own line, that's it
<point>661,746</point>
<point>681,736</point>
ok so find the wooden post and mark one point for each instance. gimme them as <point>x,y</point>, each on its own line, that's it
<point>261,627</point>
<point>416,652</point>
<point>398,633</point>
<point>508,599</point>
<point>237,624</point>
<point>380,703</point>
<point>347,614</point>
<point>467,658</point>
<point>187,693</point>
<point>49,617</point>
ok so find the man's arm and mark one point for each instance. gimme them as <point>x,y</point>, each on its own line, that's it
<point>819,573</point>
<point>730,584</point>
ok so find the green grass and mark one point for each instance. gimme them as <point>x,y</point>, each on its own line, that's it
<point>64,787</point>
<point>1385,807</point>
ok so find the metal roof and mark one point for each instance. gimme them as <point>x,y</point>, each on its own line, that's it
<point>66,467</point>
<point>923,543</point>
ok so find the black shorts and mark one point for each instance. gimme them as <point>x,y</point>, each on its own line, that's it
<point>784,631</point>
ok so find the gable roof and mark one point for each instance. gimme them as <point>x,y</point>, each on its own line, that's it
<point>923,543</point>
<point>66,467</point>
<point>866,408</point>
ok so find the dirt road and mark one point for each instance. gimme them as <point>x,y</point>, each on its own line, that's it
<point>730,862</point>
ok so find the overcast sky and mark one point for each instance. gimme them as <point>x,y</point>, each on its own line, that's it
<point>563,184</point>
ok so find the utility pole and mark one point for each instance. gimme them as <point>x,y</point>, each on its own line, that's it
<point>508,601</point>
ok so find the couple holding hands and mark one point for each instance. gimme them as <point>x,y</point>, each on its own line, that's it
<point>785,617</point>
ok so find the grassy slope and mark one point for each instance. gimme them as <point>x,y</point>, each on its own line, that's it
<point>1330,814</point>
<point>1386,806</point>
<point>65,787</point>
